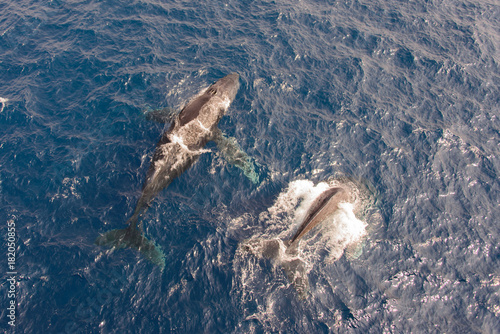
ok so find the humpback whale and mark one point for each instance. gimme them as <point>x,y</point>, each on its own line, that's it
<point>179,147</point>
<point>323,206</point>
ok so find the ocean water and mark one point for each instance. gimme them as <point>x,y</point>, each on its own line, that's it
<point>399,100</point>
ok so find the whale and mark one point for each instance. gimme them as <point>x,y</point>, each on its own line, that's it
<point>178,149</point>
<point>285,251</point>
<point>324,206</point>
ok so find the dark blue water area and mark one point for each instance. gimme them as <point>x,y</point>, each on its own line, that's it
<point>399,97</point>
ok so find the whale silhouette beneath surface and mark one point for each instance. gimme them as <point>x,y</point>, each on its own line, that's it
<point>177,150</point>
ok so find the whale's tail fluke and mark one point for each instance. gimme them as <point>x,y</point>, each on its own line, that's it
<point>133,237</point>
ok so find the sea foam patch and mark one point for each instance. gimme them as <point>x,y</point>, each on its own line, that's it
<point>3,100</point>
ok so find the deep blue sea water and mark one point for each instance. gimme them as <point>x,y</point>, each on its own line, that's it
<point>400,99</point>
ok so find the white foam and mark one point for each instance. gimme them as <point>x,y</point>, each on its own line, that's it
<point>341,231</point>
<point>203,126</point>
<point>3,100</point>
<point>179,141</point>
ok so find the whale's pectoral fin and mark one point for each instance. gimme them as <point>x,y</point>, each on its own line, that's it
<point>233,154</point>
<point>165,115</point>
<point>132,237</point>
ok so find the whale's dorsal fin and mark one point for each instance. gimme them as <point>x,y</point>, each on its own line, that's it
<point>232,152</point>
<point>165,115</point>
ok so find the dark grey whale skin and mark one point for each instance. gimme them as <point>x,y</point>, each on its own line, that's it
<point>325,205</point>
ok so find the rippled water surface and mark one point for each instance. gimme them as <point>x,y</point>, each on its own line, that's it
<point>398,100</point>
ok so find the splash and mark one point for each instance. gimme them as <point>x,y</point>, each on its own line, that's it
<point>3,100</point>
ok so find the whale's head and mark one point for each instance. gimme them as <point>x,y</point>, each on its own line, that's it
<point>226,87</point>
<point>211,105</point>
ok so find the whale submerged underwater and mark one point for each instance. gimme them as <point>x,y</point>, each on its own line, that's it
<point>177,150</point>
